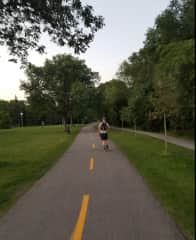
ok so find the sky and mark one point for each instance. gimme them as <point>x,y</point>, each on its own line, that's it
<point>126,23</point>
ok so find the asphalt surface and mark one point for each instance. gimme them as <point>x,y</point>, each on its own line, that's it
<point>121,207</point>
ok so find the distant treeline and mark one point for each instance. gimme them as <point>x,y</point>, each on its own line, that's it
<point>61,91</point>
<point>17,113</point>
<point>160,78</point>
<point>156,81</point>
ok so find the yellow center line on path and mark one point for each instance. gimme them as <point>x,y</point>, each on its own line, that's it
<point>79,228</point>
<point>91,166</point>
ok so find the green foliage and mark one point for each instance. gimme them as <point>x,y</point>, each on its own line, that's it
<point>114,97</point>
<point>15,107</point>
<point>63,90</point>
<point>174,82</point>
<point>170,177</point>
<point>5,120</point>
<point>139,68</point>
<point>188,19</point>
<point>168,23</point>
<point>51,88</point>
<point>26,154</point>
<point>66,22</point>
<point>125,115</point>
<point>85,104</point>
<point>174,24</point>
<point>161,75</point>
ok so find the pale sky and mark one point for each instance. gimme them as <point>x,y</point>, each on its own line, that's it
<point>126,24</point>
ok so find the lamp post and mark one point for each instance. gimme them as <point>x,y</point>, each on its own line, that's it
<point>135,126</point>
<point>70,110</point>
<point>165,130</point>
<point>69,123</point>
<point>21,117</point>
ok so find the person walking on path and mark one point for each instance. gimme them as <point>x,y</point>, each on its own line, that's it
<point>103,133</point>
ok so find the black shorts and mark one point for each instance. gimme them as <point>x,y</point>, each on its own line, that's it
<point>104,136</point>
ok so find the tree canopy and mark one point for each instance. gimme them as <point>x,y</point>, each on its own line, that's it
<point>51,86</point>
<point>154,83</point>
<point>160,76</point>
<point>67,22</point>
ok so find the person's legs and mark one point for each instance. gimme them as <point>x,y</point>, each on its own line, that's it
<point>106,142</point>
<point>101,137</point>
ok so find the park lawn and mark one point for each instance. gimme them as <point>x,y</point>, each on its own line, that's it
<point>25,155</point>
<point>169,176</point>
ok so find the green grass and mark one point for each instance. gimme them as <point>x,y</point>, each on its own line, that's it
<point>25,155</point>
<point>170,177</point>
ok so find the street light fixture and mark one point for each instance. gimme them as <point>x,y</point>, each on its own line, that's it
<point>21,116</point>
<point>70,110</point>
<point>69,123</point>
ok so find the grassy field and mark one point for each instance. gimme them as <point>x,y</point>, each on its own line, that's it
<point>25,155</point>
<point>170,177</point>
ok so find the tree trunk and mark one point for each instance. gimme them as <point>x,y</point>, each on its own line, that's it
<point>135,127</point>
<point>71,121</point>
<point>165,131</point>
<point>66,116</point>
<point>122,123</point>
<point>66,124</point>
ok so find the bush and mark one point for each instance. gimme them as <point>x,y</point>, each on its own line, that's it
<point>5,121</point>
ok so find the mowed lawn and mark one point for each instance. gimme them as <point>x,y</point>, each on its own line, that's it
<point>25,155</point>
<point>170,177</point>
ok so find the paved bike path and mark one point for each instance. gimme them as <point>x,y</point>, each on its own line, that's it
<point>120,206</point>
<point>186,143</point>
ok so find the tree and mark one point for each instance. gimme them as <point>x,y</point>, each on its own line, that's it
<point>168,24</point>
<point>124,73</point>
<point>125,115</point>
<point>54,82</point>
<point>15,107</point>
<point>115,96</point>
<point>174,82</point>
<point>138,68</point>
<point>160,76</point>
<point>67,22</point>
<point>176,22</point>
<point>188,19</point>
<point>85,103</point>
<point>5,121</point>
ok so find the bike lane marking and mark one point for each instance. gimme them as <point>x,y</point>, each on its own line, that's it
<point>79,227</point>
